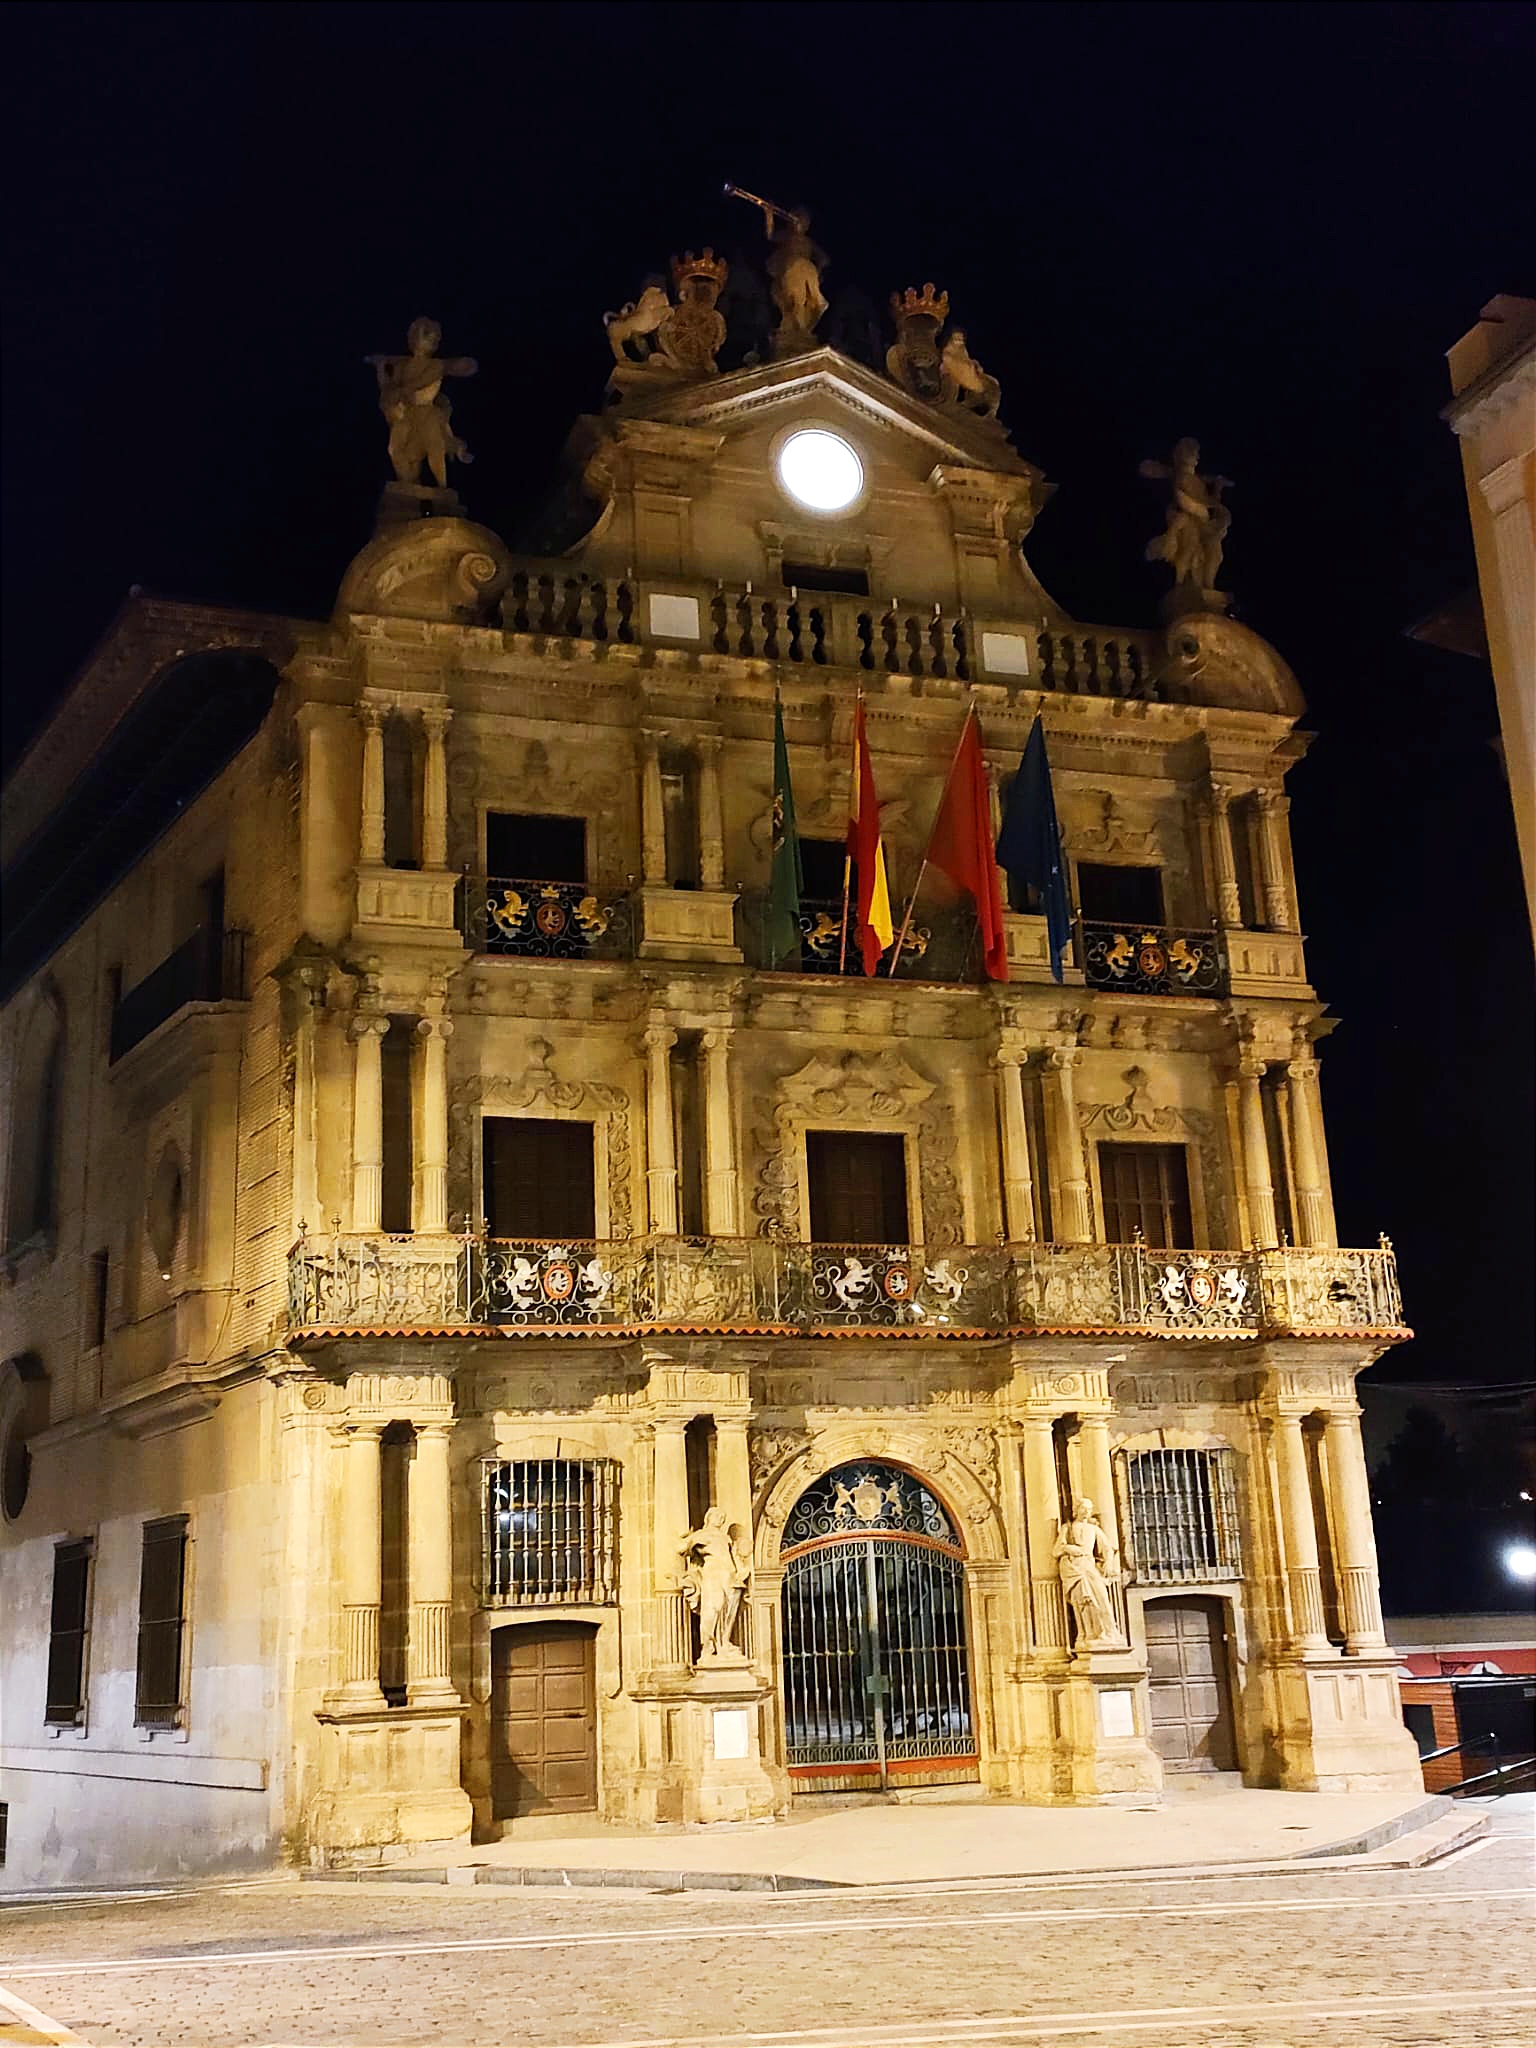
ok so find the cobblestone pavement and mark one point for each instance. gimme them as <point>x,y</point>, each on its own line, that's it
<point>1315,1958</point>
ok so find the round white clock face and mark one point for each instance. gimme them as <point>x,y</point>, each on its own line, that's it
<point>820,471</point>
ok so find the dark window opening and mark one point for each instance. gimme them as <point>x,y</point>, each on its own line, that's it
<point>539,1177</point>
<point>699,1456</point>
<point>1145,1189</point>
<point>68,1623</point>
<point>821,864</point>
<point>396,1449</point>
<point>5,1816</point>
<point>1419,1720</point>
<point>688,1136</point>
<point>101,1279</point>
<point>858,1187</point>
<point>210,906</point>
<point>527,846</point>
<point>398,1162</point>
<point>825,576</point>
<point>162,1589</point>
<point>1118,894</point>
<point>400,784</point>
<point>680,820</point>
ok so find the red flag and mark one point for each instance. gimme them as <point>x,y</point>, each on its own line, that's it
<point>872,923</point>
<point>961,846</point>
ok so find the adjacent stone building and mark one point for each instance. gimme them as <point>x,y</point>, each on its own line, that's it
<point>480,1340</point>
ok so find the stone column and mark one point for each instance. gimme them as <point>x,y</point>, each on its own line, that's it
<point>1274,865</point>
<point>1041,1515</point>
<point>660,1141</point>
<point>711,817</point>
<point>721,1215</point>
<point>1075,1225</point>
<point>428,1677</point>
<point>1229,909</point>
<point>1298,1535</point>
<point>653,810</point>
<point>367,1031</point>
<point>1350,1490</point>
<point>434,788</point>
<point>1313,1215</point>
<point>1018,1174</point>
<point>670,1527</point>
<point>371,846</point>
<point>361,1587</point>
<point>1260,1188</point>
<point>430,1209</point>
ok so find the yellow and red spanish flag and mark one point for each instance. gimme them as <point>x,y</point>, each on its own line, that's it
<point>872,928</point>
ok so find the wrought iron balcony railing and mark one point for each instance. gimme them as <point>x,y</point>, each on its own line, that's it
<point>448,1284</point>
<point>1152,960</point>
<point>940,944</point>
<point>545,920</point>
<point>209,967</point>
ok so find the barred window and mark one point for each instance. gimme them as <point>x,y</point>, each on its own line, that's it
<point>162,1591</point>
<point>1183,1515</point>
<point>551,1532</point>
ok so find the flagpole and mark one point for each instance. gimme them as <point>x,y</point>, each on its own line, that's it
<point>906,922</point>
<point>842,945</point>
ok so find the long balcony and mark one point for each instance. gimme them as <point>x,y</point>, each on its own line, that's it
<point>209,967</point>
<point>493,1286</point>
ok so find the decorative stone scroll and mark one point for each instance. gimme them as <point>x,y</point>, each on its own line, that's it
<point>857,1090</point>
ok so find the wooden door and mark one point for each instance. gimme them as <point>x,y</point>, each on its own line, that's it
<point>543,1720</point>
<point>539,1177</point>
<point>1192,1727</point>
<point>858,1187</point>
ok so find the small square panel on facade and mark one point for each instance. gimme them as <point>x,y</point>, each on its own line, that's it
<point>1003,654</point>
<point>674,618</point>
<point>1117,1714</point>
<point>732,1734</point>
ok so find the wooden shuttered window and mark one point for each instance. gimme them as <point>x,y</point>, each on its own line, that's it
<point>539,1177</point>
<point>858,1187</point>
<point>68,1625</point>
<point>1145,1189</point>
<point>162,1621</point>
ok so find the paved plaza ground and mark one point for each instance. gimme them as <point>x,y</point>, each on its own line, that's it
<point>1319,1954</point>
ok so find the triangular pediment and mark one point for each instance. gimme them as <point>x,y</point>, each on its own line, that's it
<point>741,400</point>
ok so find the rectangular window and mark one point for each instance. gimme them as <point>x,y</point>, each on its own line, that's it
<point>5,1819</point>
<point>527,846</point>
<point>101,1281</point>
<point>551,1532</point>
<point>1145,1189</point>
<point>539,1177</point>
<point>68,1628</point>
<point>162,1622</point>
<point>1118,894</point>
<point>395,1094</point>
<point>1183,1516</point>
<point>858,1187</point>
<point>821,576</point>
<point>821,863</point>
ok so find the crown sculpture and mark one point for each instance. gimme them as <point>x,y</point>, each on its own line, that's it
<point>657,340</point>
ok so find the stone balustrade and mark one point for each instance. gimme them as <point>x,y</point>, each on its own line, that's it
<point>877,635</point>
<point>447,1285</point>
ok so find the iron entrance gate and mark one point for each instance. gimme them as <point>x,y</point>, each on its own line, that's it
<point>876,1668</point>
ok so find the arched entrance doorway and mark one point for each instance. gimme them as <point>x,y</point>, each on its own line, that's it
<point>877,1682</point>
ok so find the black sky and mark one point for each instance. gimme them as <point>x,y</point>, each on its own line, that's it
<point>1260,224</point>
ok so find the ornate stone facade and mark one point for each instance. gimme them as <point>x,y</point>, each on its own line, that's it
<point>425,1459</point>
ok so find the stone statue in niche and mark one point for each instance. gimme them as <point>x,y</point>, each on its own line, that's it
<point>914,360</point>
<point>966,382</point>
<point>716,1568</point>
<point>1192,541</point>
<point>1087,1564</point>
<point>412,399</point>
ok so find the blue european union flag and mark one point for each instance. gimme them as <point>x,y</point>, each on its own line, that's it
<point>1029,845</point>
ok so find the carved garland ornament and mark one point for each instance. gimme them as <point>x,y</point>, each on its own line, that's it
<point>540,1088</point>
<point>856,1090</point>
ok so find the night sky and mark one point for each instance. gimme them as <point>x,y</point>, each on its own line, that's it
<point>1260,225</point>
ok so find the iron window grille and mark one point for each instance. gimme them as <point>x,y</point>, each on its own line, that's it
<point>551,1532</point>
<point>1184,1524</point>
<point>162,1623</point>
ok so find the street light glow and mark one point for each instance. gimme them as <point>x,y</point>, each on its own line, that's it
<point>1520,1560</point>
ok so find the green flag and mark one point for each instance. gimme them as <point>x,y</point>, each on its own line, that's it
<point>785,879</point>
